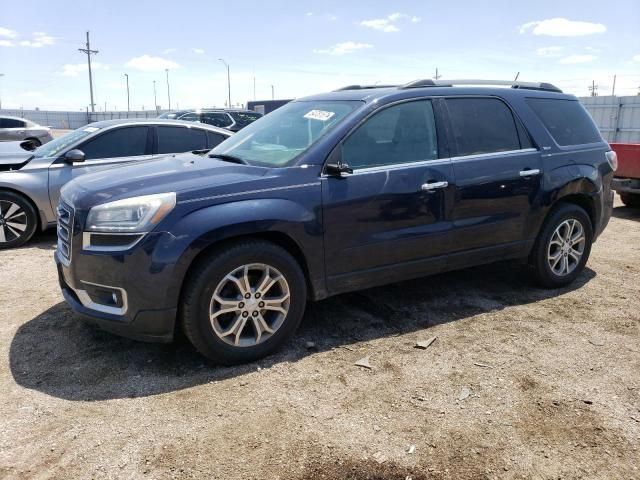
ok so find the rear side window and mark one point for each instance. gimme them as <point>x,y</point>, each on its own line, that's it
<point>180,139</point>
<point>121,142</point>
<point>11,123</point>
<point>216,119</point>
<point>482,125</point>
<point>566,120</point>
<point>243,119</point>
<point>215,139</point>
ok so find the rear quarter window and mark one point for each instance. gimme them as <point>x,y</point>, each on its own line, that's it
<point>567,121</point>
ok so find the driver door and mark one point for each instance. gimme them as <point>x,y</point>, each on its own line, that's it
<point>117,146</point>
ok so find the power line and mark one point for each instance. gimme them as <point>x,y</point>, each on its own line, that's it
<point>88,51</point>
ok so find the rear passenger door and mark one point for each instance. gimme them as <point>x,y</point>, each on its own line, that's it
<point>498,180</point>
<point>179,139</point>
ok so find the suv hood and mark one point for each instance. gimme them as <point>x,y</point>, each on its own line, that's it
<point>13,154</point>
<point>189,175</point>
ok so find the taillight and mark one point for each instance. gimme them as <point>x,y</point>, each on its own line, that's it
<point>612,158</point>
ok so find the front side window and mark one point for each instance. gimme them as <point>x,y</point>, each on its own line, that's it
<point>567,121</point>
<point>121,142</point>
<point>217,119</point>
<point>180,139</point>
<point>399,134</point>
<point>215,139</point>
<point>482,125</point>
<point>277,139</point>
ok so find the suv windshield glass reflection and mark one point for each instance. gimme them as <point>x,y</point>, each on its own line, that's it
<point>278,138</point>
<point>56,147</point>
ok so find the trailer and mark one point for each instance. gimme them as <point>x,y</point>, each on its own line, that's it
<point>627,177</point>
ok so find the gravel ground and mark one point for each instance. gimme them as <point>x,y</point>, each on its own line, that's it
<point>519,383</point>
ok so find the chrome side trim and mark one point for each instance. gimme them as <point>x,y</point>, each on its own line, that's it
<point>493,154</point>
<point>86,301</point>
<point>249,192</point>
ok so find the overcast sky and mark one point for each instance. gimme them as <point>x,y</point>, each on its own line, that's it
<point>304,47</point>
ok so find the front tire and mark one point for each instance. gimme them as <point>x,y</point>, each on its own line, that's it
<point>563,246</point>
<point>18,220</point>
<point>243,302</point>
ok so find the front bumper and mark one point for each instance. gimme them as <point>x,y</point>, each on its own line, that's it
<point>626,185</point>
<point>144,310</point>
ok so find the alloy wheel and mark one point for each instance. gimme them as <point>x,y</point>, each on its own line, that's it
<point>566,247</point>
<point>249,305</point>
<point>13,221</point>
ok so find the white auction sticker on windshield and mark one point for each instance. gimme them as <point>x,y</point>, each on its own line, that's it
<point>91,129</point>
<point>321,115</point>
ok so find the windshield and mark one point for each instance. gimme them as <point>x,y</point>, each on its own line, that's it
<point>55,147</point>
<point>276,139</point>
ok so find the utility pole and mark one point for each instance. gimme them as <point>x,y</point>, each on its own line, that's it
<point>593,88</point>
<point>613,90</point>
<point>228,81</point>
<point>89,52</point>
<point>437,77</point>
<point>254,87</point>
<point>2,75</point>
<point>273,97</point>
<point>127,77</point>
<point>155,100</point>
<point>166,70</point>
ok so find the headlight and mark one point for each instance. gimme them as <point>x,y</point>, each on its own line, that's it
<point>137,214</point>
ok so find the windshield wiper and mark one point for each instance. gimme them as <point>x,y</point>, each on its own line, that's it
<point>228,158</point>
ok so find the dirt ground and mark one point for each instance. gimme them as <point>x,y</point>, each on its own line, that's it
<point>520,383</point>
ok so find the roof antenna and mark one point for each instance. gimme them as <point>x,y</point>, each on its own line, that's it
<point>517,75</point>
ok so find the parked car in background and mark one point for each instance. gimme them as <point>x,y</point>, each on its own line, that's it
<point>230,119</point>
<point>332,193</point>
<point>18,129</point>
<point>627,179</point>
<point>30,182</point>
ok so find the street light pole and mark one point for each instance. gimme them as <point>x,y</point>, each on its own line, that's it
<point>166,70</point>
<point>155,99</point>
<point>273,96</point>
<point>228,81</point>
<point>127,77</point>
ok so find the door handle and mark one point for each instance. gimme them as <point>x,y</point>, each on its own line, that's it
<point>530,172</point>
<point>428,187</point>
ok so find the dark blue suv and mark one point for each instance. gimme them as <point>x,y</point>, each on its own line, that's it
<point>332,193</point>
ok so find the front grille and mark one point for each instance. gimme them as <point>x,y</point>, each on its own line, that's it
<point>65,230</point>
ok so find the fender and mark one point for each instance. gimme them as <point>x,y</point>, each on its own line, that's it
<point>575,179</point>
<point>29,193</point>
<point>208,226</point>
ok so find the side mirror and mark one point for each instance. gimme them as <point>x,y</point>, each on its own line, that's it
<point>338,169</point>
<point>73,156</point>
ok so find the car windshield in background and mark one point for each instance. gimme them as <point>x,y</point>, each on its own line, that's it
<point>278,138</point>
<point>55,147</point>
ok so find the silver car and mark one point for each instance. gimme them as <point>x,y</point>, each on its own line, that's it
<point>30,182</point>
<point>17,129</point>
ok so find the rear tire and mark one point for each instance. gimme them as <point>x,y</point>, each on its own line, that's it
<point>562,247</point>
<point>36,141</point>
<point>243,302</point>
<point>18,220</point>
<point>631,200</point>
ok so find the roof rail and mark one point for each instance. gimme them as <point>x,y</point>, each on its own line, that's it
<point>513,84</point>
<point>363,87</point>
